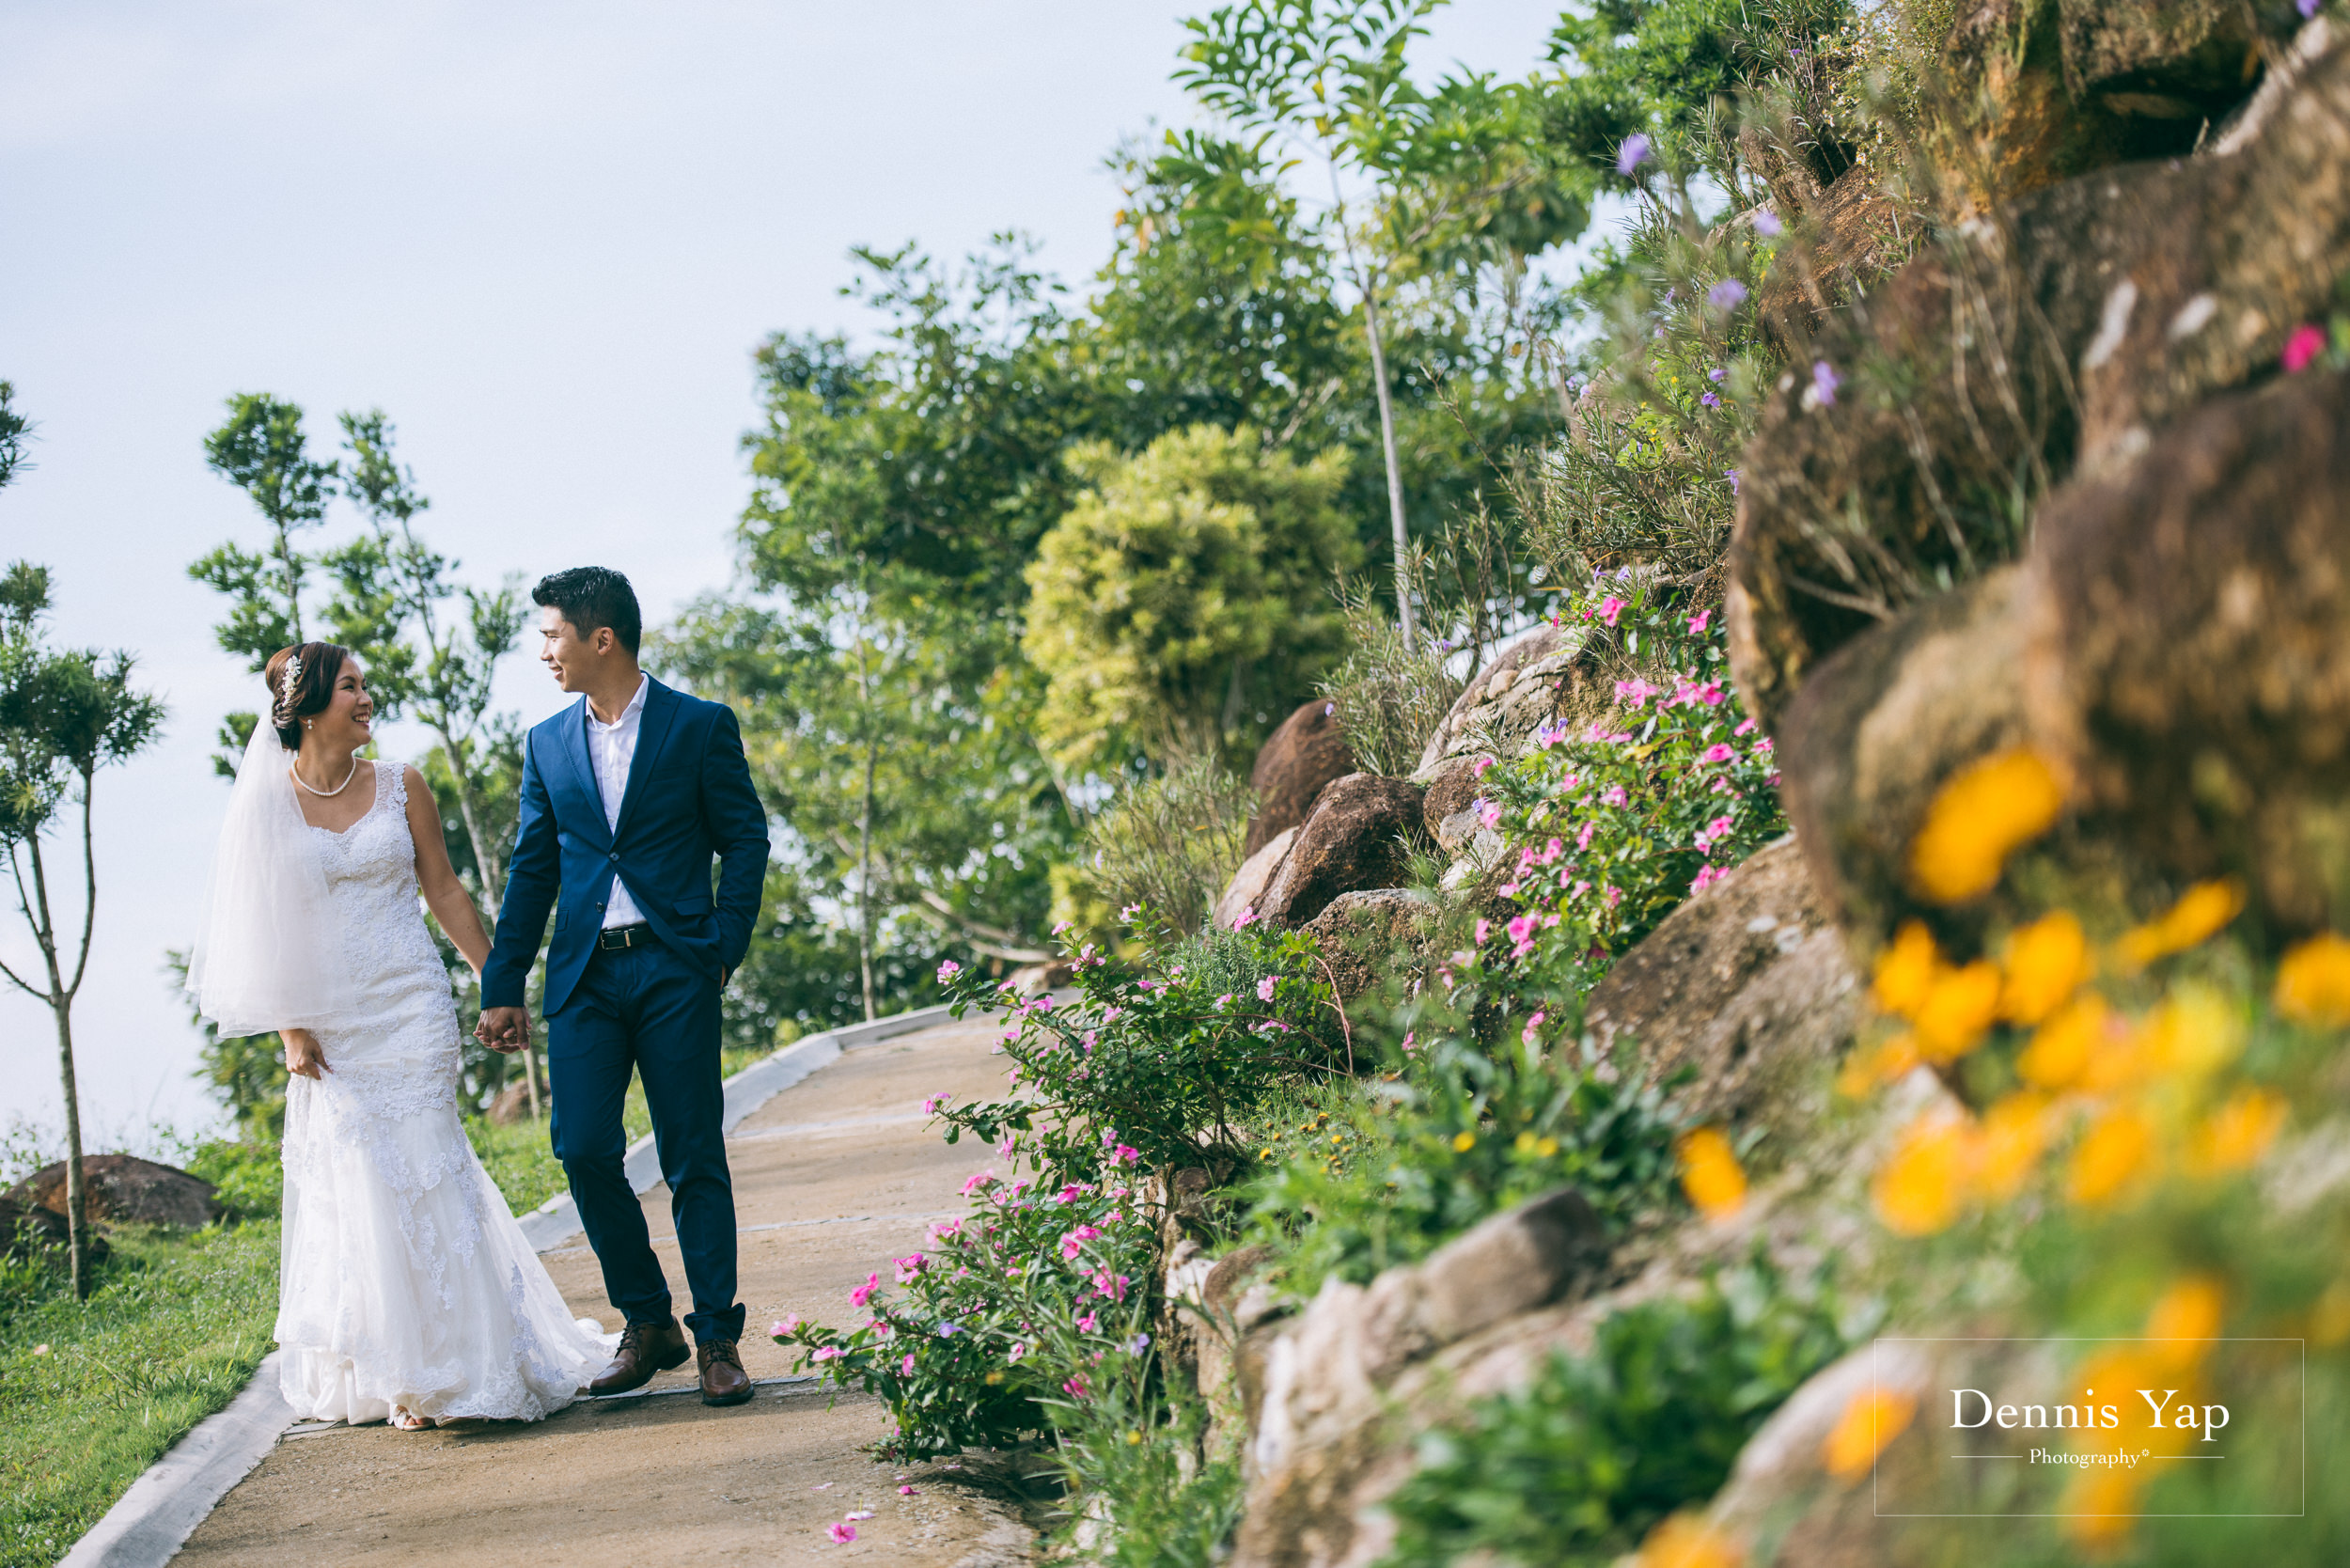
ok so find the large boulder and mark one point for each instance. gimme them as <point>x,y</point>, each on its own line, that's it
<point>1528,685</point>
<point>2086,316</point>
<point>1882,723</point>
<point>1245,892</point>
<point>121,1189</point>
<point>2189,664</point>
<point>1359,932</point>
<point>1307,752</point>
<point>1747,986</point>
<point>1359,834</point>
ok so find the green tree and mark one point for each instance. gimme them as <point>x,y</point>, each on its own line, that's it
<point>1450,175</point>
<point>64,715</point>
<point>1185,599</point>
<point>14,430</point>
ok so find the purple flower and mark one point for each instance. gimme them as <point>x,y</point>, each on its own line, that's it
<point>2307,8</point>
<point>1710,401</point>
<point>1731,474</point>
<point>1767,225</point>
<point>1824,381</point>
<point>1718,375</point>
<point>1728,294</point>
<point>1632,154</point>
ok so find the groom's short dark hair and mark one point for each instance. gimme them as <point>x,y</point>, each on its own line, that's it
<point>590,596</point>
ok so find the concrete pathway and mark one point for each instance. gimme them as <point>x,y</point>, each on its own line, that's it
<point>832,1178</point>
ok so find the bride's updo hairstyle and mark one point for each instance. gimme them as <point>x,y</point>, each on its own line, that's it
<point>312,687</point>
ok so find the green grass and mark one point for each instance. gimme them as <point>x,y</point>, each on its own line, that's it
<point>92,1392</point>
<point>524,1168</point>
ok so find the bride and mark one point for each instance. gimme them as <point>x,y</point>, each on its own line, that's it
<point>406,1292</point>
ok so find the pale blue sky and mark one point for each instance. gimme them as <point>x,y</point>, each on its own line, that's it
<point>545,238</point>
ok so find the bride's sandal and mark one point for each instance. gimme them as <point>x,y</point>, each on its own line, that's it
<point>402,1420</point>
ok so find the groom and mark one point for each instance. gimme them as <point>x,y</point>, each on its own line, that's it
<point>626,796</point>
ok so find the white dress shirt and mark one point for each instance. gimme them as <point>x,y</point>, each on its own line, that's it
<point>612,748</point>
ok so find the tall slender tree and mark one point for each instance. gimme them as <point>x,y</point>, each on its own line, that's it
<point>64,715</point>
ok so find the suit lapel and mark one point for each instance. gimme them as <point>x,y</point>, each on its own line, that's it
<point>571,745</point>
<point>652,733</point>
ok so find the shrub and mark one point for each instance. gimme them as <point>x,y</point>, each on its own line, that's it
<point>1576,1467</point>
<point>1172,843</point>
<point>1163,1061</point>
<point>1466,1136</point>
<point>250,1175</point>
<point>1390,693</point>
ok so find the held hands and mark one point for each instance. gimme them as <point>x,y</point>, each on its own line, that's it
<point>303,1057</point>
<point>503,1028</point>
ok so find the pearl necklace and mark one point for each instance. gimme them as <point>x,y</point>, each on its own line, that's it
<point>296,775</point>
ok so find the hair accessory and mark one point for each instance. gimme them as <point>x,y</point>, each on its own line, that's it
<point>287,682</point>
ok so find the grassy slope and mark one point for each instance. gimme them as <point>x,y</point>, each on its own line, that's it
<point>173,1330</point>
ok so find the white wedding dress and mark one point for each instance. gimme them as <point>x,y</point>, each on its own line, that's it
<point>405,1279</point>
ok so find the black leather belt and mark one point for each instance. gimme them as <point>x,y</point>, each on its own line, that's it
<point>613,938</point>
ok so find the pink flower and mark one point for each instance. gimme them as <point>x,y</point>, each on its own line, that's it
<point>1086,1322</point>
<point>1408,1040</point>
<point>1264,989</point>
<point>1519,928</point>
<point>1059,926</point>
<point>1483,929</point>
<point>908,1492</point>
<point>1635,692</point>
<point>826,1352</point>
<point>1125,1155</point>
<point>1531,1024</point>
<point>980,1182</point>
<point>1044,1003</point>
<point>906,1367</point>
<point>2307,342</point>
<point>909,1269</point>
<point>842,1534</point>
<point>1745,727</point>
<point>930,1106</point>
<point>1111,1014</point>
<point>1488,813</point>
<point>860,1514</point>
<point>1718,752</point>
<point>1244,917</point>
<point>1611,606</point>
<point>1697,621</point>
<point>864,1293</point>
<point>1615,795</point>
<point>1073,1243</point>
<point>1482,764</point>
<point>1075,1388</point>
<point>949,970</point>
<point>784,1327</point>
<point>1583,838</point>
<point>1017,1352</point>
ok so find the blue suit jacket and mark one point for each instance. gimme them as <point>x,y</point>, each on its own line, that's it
<point>689,797</point>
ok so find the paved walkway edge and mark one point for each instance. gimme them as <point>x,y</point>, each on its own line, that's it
<point>151,1521</point>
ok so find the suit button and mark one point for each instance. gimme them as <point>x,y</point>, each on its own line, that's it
<point>614,857</point>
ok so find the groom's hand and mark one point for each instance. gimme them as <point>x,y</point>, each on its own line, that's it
<point>503,1028</point>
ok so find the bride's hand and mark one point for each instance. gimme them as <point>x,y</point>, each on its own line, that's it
<point>304,1057</point>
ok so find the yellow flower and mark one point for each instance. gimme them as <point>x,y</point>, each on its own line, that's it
<point>2185,1320</point>
<point>2119,1145</point>
<point>1958,1007</point>
<point>2196,1031</point>
<point>2060,1051</point>
<point>1922,1187</point>
<point>2046,964</point>
<point>1981,816</point>
<point>1685,1542</point>
<point>1464,1141</point>
<point>1710,1174</point>
<point>2013,1133</point>
<point>2313,982</point>
<point>2238,1133</point>
<point>1881,1064</point>
<point>1905,971</point>
<point>2202,910</point>
<point>1869,1421</point>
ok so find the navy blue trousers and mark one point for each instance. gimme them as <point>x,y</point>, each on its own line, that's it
<point>642,1009</point>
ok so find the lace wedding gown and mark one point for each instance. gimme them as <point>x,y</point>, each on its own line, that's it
<point>405,1279</point>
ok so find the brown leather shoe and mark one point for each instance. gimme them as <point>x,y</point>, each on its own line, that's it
<point>723,1381</point>
<point>646,1348</point>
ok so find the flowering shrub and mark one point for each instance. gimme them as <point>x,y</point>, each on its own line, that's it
<point>1610,829</point>
<point>1157,1061</point>
<point>1037,1300</point>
